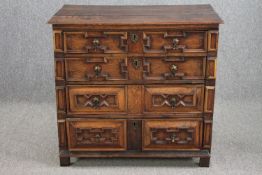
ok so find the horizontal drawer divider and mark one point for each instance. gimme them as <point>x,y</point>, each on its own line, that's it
<point>127,117</point>
<point>81,55</point>
<point>142,82</point>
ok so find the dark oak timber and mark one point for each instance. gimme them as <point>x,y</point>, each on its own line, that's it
<point>135,81</point>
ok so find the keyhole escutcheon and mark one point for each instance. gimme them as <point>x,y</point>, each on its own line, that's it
<point>134,37</point>
<point>136,63</point>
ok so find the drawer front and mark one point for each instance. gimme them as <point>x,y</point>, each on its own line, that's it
<point>96,99</point>
<point>121,68</point>
<point>180,134</point>
<point>175,41</point>
<point>96,135</point>
<point>96,68</point>
<point>173,98</point>
<point>95,42</point>
<point>166,68</point>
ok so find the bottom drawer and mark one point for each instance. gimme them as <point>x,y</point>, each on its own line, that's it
<point>172,134</point>
<point>96,135</point>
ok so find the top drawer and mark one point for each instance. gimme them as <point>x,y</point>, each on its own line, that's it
<point>122,42</point>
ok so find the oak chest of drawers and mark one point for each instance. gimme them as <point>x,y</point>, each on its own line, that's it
<point>135,81</point>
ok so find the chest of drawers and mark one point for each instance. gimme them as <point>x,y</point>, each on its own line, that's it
<point>135,81</point>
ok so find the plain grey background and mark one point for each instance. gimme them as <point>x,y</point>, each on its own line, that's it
<point>28,134</point>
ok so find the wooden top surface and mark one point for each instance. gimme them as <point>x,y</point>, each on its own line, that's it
<point>132,15</point>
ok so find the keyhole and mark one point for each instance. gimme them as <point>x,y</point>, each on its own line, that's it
<point>134,125</point>
<point>136,63</point>
<point>134,37</point>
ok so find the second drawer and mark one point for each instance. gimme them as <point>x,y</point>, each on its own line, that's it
<point>122,68</point>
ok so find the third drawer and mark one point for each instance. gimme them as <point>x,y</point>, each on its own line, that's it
<point>135,99</point>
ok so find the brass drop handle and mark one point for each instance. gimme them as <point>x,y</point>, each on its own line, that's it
<point>175,42</point>
<point>172,102</point>
<point>173,69</point>
<point>96,42</point>
<point>97,69</point>
<point>173,138</point>
<point>95,102</point>
<point>97,137</point>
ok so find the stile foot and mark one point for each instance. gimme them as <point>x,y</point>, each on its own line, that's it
<point>204,161</point>
<point>64,161</point>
